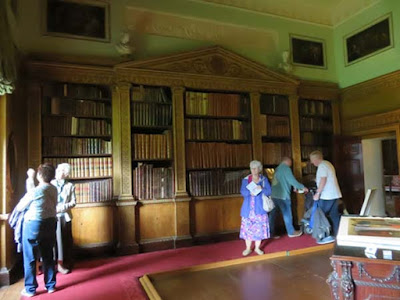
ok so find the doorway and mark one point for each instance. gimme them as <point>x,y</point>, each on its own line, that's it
<point>370,160</point>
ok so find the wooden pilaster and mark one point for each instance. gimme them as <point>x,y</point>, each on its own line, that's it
<point>255,129</point>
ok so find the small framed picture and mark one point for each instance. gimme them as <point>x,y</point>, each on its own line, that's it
<point>79,19</point>
<point>308,52</point>
<point>372,39</point>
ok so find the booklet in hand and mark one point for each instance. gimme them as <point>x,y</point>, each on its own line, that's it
<point>253,188</point>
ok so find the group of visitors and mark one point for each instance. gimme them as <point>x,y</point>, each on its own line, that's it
<point>258,225</point>
<point>44,217</point>
<point>44,213</point>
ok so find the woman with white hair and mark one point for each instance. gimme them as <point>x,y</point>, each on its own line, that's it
<point>255,225</point>
<point>65,202</point>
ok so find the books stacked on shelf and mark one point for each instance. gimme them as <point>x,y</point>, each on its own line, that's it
<point>274,152</point>
<point>215,182</point>
<point>85,167</point>
<point>274,104</point>
<point>315,108</point>
<point>74,126</point>
<point>150,94</point>
<point>275,126</point>
<point>76,129</point>
<point>316,125</point>
<point>82,91</point>
<point>306,150</point>
<point>309,169</point>
<point>311,139</point>
<point>216,129</point>
<point>152,183</point>
<point>153,146</point>
<point>151,114</point>
<point>217,155</point>
<point>89,108</point>
<point>215,104</point>
<point>93,191</point>
<point>56,146</point>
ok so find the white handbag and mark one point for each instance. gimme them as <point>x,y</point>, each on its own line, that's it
<point>268,204</point>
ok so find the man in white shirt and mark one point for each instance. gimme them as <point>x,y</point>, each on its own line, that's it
<point>328,188</point>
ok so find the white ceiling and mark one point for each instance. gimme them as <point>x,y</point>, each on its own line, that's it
<point>322,12</point>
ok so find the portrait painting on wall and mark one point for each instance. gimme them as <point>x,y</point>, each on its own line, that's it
<point>369,40</point>
<point>86,19</point>
<point>307,52</point>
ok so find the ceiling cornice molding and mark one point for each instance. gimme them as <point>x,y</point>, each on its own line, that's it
<point>344,11</point>
<point>264,13</point>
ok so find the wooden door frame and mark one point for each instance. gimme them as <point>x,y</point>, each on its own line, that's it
<point>379,132</point>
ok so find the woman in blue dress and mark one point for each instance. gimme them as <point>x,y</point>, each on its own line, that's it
<point>254,225</point>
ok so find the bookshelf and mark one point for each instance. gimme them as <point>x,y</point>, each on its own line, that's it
<point>275,129</point>
<point>152,150</point>
<point>316,130</point>
<point>218,142</point>
<point>140,129</point>
<point>76,129</point>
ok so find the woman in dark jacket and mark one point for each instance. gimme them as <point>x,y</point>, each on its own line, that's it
<point>255,225</point>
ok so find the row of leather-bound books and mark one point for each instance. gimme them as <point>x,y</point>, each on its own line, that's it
<point>151,94</point>
<point>216,104</point>
<point>82,91</point>
<point>273,153</point>
<point>62,106</point>
<point>215,182</point>
<point>315,138</point>
<point>151,114</point>
<point>152,146</point>
<point>53,126</point>
<point>274,104</point>
<point>214,129</point>
<point>217,155</point>
<point>306,150</point>
<point>75,146</point>
<point>315,107</point>
<point>93,191</point>
<point>152,183</point>
<point>85,166</point>
<point>275,126</point>
<point>313,124</point>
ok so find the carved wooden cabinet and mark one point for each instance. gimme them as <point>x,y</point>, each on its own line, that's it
<point>356,277</point>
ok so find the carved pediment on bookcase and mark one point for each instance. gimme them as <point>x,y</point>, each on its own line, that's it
<point>213,61</point>
<point>64,72</point>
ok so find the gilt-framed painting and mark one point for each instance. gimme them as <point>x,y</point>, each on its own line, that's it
<point>79,19</point>
<point>369,40</point>
<point>307,51</point>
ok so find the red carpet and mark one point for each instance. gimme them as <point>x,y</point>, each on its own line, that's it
<point>118,278</point>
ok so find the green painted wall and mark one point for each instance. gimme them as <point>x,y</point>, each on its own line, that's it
<point>31,40</point>
<point>377,65</point>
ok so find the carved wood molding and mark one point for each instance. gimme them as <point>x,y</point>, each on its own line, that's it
<point>44,71</point>
<point>318,90</point>
<point>148,77</point>
<point>387,81</point>
<point>372,121</point>
<point>346,283</point>
<point>333,281</point>
<point>211,61</point>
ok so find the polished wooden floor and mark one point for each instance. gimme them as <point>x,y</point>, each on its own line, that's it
<point>294,278</point>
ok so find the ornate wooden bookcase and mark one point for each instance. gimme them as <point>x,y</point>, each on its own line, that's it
<point>131,224</point>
